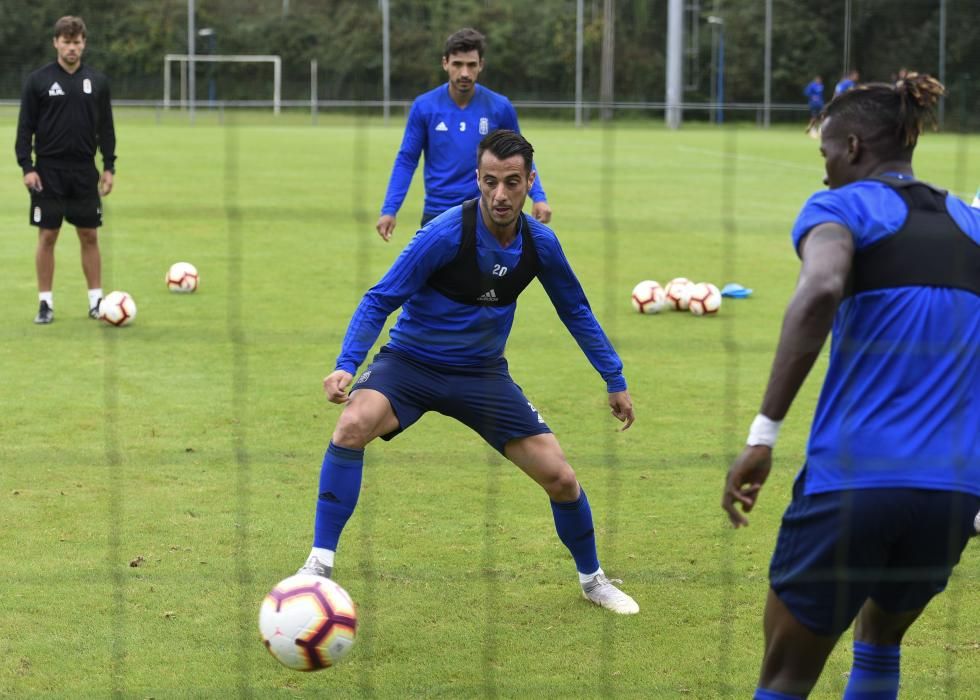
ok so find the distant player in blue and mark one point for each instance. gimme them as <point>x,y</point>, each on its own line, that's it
<point>814,96</point>
<point>846,82</point>
<point>457,283</point>
<point>887,498</point>
<point>446,124</point>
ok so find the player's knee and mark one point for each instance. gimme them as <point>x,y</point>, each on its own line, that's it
<point>48,237</point>
<point>88,237</point>
<point>563,486</point>
<point>352,431</point>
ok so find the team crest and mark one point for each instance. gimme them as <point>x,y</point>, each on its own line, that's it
<point>87,86</point>
<point>37,215</point>
<point>484,126</point>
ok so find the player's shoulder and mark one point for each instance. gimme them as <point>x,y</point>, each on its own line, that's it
<point>965,216</point>
<point>544,237</point>
<point>88,71</point>
<point>43,72</point>
<point>430,98</point>
<point>493,98</point>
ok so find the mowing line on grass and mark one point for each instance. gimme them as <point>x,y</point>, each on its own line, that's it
<point>239,406</point>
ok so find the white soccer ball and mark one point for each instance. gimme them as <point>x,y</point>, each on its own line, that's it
<point>182,277</point>
<point>705,299</point>
<point>308,622</point>
<point>648,297</point>
<point>678,293</point>
<point>117,309</point>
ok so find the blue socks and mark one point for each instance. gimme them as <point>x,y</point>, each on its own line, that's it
<point>874,673</point>
<point>573,521</point>
<point>340,484</point>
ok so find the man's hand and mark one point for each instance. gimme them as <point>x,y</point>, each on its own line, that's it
<point>335,386</point>
<point>386,226</point>
<point>105,183</point>
<point>32,181</point>
<point>542,212</point>
<point>748,473</point>
<point>621,406</point>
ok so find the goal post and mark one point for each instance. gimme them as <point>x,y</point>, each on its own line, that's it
<point>185,60</point>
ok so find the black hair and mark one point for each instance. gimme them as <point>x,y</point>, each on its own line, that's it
<point>463,41</point>
<point>889,117</point>
<point>505,143</point>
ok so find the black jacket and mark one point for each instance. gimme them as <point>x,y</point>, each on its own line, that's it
<point>68,116</point>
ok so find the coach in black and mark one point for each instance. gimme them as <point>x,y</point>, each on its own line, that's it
<point>65,114</point>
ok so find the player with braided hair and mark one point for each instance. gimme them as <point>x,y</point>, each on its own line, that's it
<point>886,499</point>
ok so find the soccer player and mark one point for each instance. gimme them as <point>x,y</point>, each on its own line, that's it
<point>65,114</point>
<point>446,124</point>
<point>885,502</point>
<point>457,282</point>
<point>846,82</point>
<point>814,96</point>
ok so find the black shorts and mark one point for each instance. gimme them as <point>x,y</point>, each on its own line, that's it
<point>484,398</point>
<point>896,546</point>
<point>70,194</point>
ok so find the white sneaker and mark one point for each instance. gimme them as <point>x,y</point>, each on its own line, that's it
<point>601,591</point>
<point>315,567</point>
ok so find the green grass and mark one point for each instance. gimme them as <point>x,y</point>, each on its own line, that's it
<point>193,438</point>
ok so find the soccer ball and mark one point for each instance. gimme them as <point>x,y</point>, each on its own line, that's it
<point>117,309</point>
<point>678,292</point>
<point>648,297</point>
<point>705,299</point>
<point>308,622</point>
<point>182,277</point>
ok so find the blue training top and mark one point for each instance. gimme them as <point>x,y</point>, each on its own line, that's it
<point>449,136</point>
<point>814,94</point>
<point>900,405</point>
<point>433,328</point>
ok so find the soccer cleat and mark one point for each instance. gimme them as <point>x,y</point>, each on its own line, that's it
<point>315,567</point>
<point>94,311</point>
<point>45,314</point>
<point>601,591</point>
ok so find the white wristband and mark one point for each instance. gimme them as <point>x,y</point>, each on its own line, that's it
<point>763,431</point>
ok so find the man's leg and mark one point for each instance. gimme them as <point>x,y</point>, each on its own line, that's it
<point>44,265</point>
<point>91,266</point>
<point>794,656</point>
<point>367,416</point>
<point>541,458</point>
<point>877,652</point>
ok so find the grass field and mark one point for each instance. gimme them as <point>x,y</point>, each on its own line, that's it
<point>156,480</point>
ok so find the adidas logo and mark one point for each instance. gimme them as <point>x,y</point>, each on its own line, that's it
<point>441,126</point>
<point>55,89</point>
<point>488,296</point>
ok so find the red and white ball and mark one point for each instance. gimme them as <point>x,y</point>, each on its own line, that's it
<point>705,299</point>
<point>182,277</point>
<point>308,622</point>
<point>678,292</point>
<point>648,297</point>
<point>117,309</point>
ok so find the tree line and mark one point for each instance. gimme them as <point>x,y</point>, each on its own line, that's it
<point>531,46</point>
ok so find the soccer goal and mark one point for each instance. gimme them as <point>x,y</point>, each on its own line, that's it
<point>185,60</point>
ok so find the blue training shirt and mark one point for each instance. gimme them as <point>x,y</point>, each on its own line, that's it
<point>448,136</point>
<point>434,328</point>
<point>814,94</point>
<point>900,405</point>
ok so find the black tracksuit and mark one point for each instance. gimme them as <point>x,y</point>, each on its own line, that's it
<point>68,116</point>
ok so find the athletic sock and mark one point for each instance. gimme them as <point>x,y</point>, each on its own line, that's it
<point>573,522</point>
<point>46,296</point>
<point>324,556</point>
<point>765,694</point>
<point>93,296</point>
<point>874,673</point>
<point>340,484</point>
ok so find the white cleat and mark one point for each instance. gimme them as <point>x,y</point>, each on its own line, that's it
<point>601,591</point>
<point>315,567</point>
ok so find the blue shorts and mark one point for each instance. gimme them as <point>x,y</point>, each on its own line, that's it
<point>896,546</point>
<point>485,398</point>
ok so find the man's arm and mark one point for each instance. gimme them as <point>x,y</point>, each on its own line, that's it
<point>406,161</point>
<point>423,255</point>
<point>107,141</point>
<point>827,253</point>
<point>26,126</point>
